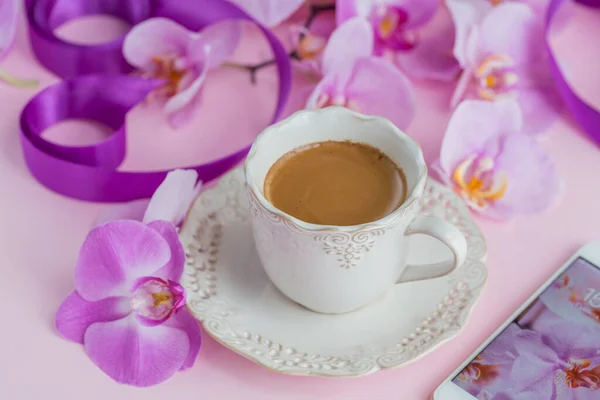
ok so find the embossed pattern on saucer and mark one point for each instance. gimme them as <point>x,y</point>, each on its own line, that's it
<point>228,291</point>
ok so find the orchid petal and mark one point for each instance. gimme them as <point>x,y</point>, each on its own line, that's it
<point>502,396</point>
<point>523,42</point>
<point>216,43</point>
<point>173,198</point>
<point>473,124</point>
<point>155,36</point>
<point>184,321</point>
<point>350,41</point>
<point>134,354</point>
<point>269,12</point>
<point>114,255</point>
<point>533,370</point>
<point>467,14</point>
<point>9,18</point>
<point>532,379</point>
<point>432,58</point>
<point>174,268</point>
<point>131,210</point>
<point>541,107</point>
<point>379,88</point>
<point>569,338</point>
<point>420,12</point>
<point>533,345</point>
<point>76,314</point>
<point>533,183</point>
<point>323,88</point>
<point>181,108</point>
<point>462,87</point>
<point>502,349</point>
<point>348,9</point>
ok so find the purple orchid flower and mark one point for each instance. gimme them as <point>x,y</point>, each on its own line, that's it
<point>170,202</point>
<point>397,28</point>
<point>523,364</point>
<point>163,49</point>
<point>554,370</point>
<point>500,63</point>
<point>498,170</point>
<point>539,7</point>
<point>492,366</point>
<point>573,333</point>
<point>354,79</point>
<point>269,12</point>
<point>128,309</point>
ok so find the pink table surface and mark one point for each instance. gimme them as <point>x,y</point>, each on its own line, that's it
<point>41,232</point>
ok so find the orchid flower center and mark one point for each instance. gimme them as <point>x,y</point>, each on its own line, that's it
<point>478,372</point>
<point>477,181</point>
<point>564,282</point>
<point>578,375</point>
<point>389,23</point>
<point>326,100</point>
<point>495,77</point>
<point>310,46</point>
<point>170,68</point>
<point>495,2</point>
<point>156,299</point>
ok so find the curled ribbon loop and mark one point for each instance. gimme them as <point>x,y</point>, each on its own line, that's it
<point>90,172</point>
<point>69,60</point>
<point>585,114</point>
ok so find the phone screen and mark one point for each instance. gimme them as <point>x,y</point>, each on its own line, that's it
<point>552,349</point>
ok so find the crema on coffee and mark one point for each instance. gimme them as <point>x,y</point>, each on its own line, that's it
<point>336,183</point>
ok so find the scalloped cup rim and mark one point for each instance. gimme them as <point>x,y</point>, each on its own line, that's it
<point>409,142</point>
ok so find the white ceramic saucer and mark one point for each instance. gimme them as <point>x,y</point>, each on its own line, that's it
<point>230,294</point>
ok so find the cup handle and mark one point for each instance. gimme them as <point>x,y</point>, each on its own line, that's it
<point>443,231</point>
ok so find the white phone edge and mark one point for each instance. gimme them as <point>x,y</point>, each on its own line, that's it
<point>447,390</point>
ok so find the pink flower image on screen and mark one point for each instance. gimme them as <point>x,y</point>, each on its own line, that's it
<point>551,352</point>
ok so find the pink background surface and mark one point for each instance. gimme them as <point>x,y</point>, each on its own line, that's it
<point>41,232</point>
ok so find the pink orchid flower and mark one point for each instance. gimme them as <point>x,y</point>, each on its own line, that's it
<point>269,12</point>
<point>546,368</point>
<point>163,49</point>
<point>500,63</point>
<point>533,367</point>
<point>170,202</point>
<point>354,79</point>
<point>397,28</point>
<point>498,170</point>
<point>127,308</point>
<point>539,7</point>
<point>492,365</point>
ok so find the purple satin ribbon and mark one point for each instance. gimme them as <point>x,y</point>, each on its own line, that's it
<point>106,95</point>
<point>587,116</point>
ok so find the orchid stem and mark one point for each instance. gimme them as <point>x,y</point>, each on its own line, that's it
<point>253,69</point>
<point>18,82</point>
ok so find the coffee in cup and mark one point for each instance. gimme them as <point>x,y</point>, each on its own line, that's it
<point>336,183</point>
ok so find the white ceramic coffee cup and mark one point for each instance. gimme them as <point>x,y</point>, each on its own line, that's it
<point>336,269</point>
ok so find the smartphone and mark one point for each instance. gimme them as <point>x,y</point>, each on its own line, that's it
<point>549,349</point>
